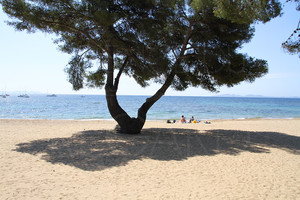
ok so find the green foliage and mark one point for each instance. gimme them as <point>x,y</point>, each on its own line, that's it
<point>96,79</point>
<point>76,71</point>
<point>292,44</point>
<point>249,11</point>
<point>198,40</point>
<point>210,59</point>
<point>242,11</point>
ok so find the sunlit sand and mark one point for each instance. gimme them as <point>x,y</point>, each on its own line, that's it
<point>227,159</point>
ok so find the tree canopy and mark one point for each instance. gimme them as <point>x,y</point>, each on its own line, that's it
<point>177,43</point>
<point>242,11</point>
<point>251,11</point>
<point>149,34</point>
<point>292,44</point>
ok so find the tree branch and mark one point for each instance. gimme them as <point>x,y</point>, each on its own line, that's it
<point>116,84</point>
<point>76,30</point>
<point>110,67</point>
<point>84,53</point>
<point>186,40</point>
<point>174,53</point>
<point>150,101</point>
<point>189,55</point>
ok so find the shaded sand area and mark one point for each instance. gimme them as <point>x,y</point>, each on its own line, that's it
<point>233,159</point>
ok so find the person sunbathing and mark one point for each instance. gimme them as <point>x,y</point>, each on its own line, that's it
<point>183,119</point>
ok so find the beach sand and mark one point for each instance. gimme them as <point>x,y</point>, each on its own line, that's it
<point>227,159</point>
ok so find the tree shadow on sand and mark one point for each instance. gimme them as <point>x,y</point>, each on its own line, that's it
<point>97,150</point>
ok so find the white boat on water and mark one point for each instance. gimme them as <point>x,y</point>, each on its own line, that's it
<point>24,96</point>
<point>4,95</point>
<point>51,95</point>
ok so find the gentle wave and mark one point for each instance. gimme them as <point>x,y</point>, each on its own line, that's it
<point>93,107</point>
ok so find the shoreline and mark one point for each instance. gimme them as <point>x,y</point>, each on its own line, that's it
<point>227,159</point>
<point>155,120</point>
<point>111,119</point>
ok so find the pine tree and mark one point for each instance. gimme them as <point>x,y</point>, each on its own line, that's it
<point>174,42</point>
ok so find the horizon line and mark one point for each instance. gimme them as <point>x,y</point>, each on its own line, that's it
<point>218,95</point>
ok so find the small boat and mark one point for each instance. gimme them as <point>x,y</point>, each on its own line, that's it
<point>24,96</point>
<point>4,95</point>
<point>51,95</point>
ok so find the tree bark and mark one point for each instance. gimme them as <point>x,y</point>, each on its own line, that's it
<point>126,123</point>
<point>142,112</point>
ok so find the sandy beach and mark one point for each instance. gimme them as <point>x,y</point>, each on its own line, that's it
<point>227,159</point>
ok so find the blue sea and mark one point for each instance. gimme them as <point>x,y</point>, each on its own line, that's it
<point>90,107</point>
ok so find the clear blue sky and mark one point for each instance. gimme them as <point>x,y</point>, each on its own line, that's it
<point>31,62</point>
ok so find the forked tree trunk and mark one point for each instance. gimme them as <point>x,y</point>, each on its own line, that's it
<point>127,124</point>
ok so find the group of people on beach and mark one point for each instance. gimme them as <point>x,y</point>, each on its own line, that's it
<point>183,120</point>
<point>192,120</point>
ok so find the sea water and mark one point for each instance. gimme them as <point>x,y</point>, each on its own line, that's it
<point>168,107</point>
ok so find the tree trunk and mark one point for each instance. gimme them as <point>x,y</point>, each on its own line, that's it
<point>142,112</point>
<point>126,123</point>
